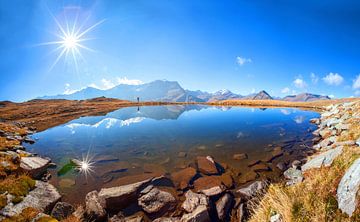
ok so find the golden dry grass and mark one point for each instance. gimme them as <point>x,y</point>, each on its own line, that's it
<point>18,186</point>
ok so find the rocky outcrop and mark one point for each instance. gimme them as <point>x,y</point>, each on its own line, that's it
<point>293,175</point>
<point>42,198</point>
<point>253,189</point>
<point>119,197</point>
<point>193,200</point>
<point>154,200</point>
<point>35,166</point>
<point>348,188</point>
<point>322,159</point>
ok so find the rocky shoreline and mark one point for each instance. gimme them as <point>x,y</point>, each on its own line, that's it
<point>203,191</point>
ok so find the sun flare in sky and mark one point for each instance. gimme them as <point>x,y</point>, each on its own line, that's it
<point>71,38</point>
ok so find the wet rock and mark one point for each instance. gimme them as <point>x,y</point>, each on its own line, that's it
<point>42,198</point>
<point>94,206</point>
<point>348,188</point>
<point>117,198</point>
<point>183,177</point>
<point>240,156</point>
<point>315,121</point>
<point>223,206</point>
<point>207,182</point>
<point>322,159</point>
<point>253,189</point>
<point>35,166</point>
<point>294,176</point>
<point>156,201</point>
<point>193,200</point>
<point>261,167</point>
<point>62,210</point>
<point>207,165</point>
<point>253,163</point>
<point>29,140</point>
<point>182,154</point>
<point>200,214</point>
<point>248,176</point>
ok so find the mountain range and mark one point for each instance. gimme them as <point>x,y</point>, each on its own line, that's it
<point>171,91</point>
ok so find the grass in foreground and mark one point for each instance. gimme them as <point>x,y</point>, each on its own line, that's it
<point>18,186</point>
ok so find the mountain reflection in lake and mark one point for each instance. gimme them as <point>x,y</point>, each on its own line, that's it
<point>133,143</point>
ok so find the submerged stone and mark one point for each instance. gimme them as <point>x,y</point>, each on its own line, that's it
<point>207,165</point>
<point>183,177</point>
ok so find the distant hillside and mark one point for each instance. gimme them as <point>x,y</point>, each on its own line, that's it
<point>171,91</point>
<point>305,97</point>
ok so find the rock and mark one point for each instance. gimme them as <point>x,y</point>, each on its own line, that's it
<point>183,177</point>
<point>348,188</point>
<point>223,206</point>
<point>42,198</point>
<point>116,218</point>
<point>94,206</point>
<point>240,213</point>
<point>167,219</point>
<point>207,165</point>
<point>62,210</point>
<point>135,218</point>
<point>358,141</point>
<point>35,166</point>
<point>296,164</point>
<point>281,166</point>
<point>294,175</point>
<point>248,176</point>
<point>213,191</point>
<point>117,198</point>
<point>29,140</point>
<point>207,182</point>
<point>261,167</point>
<point>182,154</point>
<point>253,189</point>
<point>200,214</point>
<point>276,218</point>
<point>193,200</point>
<point>322,159</point>
<point>156,201</point>
<point>325,133</point>
<point>315,121</point>
<point>240,156</point>
<point>253,163</point>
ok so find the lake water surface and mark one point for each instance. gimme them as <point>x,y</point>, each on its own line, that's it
<point>132,143</point>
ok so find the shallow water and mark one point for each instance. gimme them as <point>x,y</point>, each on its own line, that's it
<point>132,143</point>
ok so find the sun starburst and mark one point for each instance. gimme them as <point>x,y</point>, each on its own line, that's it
<point>70,40</point>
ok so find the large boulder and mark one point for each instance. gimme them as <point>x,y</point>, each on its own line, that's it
<point>223,206</point>
<point>34,165</point>
<point>253,189</point>
<point>94,206</point>
<point>183,177</point>
<point>322,159</point>
<point>193,200</point>
<point>62,210</point>
<point>42,198</point>
<point>200,214</point>
<point>154,200</point>
<point>117,198</point>
<point>348,188</point>
<point>207,165</point>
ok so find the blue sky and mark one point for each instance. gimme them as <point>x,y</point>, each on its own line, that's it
<point>283,47</point>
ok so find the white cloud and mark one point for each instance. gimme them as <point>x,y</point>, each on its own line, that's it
<point>68,90</point>
<point>314,78</point>
<point>253,90</point>
<point>299,83</point>
<point>125,80</point>
<point>331,96</point>
<point>334,79</point>
<point>107,84</point>
<point>356,84</point>
<point>285,90</point>
<point>241,60</point>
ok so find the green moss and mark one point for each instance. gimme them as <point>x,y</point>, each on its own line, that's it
<point>18,186</point>
<point>17,199</point>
